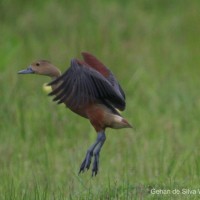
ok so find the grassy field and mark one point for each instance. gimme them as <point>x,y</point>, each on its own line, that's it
<point>153,49</point>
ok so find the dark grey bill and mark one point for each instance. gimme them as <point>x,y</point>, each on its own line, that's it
<point>26,71</point>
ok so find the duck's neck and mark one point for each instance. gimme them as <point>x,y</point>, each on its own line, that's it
<point>54,77</point>
<point>56,73</point>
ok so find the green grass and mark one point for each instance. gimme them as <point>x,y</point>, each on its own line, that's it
<point>153,49</point>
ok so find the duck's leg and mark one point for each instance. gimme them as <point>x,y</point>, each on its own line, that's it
<point>96,154</point>
<point>94,149</point>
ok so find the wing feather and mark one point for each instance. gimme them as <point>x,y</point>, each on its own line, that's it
<point>80,85</point>
<point>96,64</point>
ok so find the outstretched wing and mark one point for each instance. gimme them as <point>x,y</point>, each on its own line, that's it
<point>81,85</point>
<point>96,64</point>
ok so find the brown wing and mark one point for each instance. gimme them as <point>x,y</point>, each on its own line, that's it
<point>96,64</point>
<point>80,85</point>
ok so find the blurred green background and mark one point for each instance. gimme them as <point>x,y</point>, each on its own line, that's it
<point>153,49</point>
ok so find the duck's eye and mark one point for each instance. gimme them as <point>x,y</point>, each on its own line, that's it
<point>37,64</point>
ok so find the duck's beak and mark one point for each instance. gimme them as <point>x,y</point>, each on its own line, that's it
<point>26,71</point>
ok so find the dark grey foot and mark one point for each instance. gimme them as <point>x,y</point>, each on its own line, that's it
<point>86,163</point>
<point>95,165</point>
<point>94,150</point>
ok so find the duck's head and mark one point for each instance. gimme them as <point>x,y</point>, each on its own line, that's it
<point>42,67</point>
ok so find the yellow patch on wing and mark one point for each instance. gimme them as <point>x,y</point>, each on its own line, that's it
<point>46,88</point>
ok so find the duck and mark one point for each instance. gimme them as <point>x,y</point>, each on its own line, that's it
<point>89,89</point>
